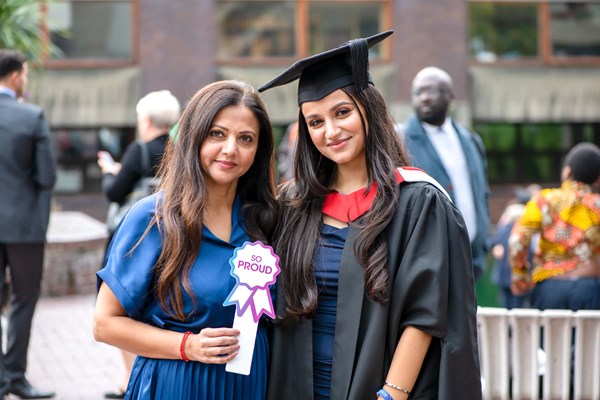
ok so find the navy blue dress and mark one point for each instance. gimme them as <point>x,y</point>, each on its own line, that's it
<point>129,276</point>
<point>327,271</point>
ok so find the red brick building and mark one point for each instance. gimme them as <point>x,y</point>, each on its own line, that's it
<point>525,72</point>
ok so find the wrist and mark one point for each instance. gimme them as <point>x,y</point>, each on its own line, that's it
<point>398,392</point>
<point>182,347</point>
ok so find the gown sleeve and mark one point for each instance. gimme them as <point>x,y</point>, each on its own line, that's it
<point>128,266</point>
<point>433,239</point>
<point>433,289</point>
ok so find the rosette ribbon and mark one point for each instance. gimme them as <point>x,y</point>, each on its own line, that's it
<point>254,266</point>
<point>258,299</point>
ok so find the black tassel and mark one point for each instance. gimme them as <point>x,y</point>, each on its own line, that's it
<point>359,57</point>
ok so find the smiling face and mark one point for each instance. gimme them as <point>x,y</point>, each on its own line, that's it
<point>230,146</point>
<point>336,129</point>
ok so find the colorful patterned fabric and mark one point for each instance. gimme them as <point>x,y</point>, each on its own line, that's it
<point>568,220</point>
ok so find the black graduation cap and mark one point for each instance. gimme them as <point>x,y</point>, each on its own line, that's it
<point>330,70</point>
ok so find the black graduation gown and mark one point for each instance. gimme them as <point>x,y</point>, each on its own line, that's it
<point>432,288</point>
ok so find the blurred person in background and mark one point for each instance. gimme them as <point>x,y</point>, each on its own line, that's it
<point>501,274</point>
<point>452,155</point>
<point>27,175</point>
<point>285,152</point>
<point>157,112</point>
<point>566,271</point>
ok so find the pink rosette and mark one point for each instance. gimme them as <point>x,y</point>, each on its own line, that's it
<point>255,267</point>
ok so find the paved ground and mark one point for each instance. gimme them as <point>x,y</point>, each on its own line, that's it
<point>63,355</point>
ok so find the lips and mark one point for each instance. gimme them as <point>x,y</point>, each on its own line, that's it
<point>225,164</point>
<point>337,143</point>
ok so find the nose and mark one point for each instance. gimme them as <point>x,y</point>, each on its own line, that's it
<point>332,129</point>
<point>230,145</point>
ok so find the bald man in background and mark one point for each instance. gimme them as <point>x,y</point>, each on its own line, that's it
<point>451,154</point>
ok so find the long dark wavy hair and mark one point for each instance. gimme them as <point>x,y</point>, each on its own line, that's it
<point>180,214</point>
<point>302,200</point>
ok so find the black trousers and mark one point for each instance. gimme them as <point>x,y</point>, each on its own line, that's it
<point>26,262</point>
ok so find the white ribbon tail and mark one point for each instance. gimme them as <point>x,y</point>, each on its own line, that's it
<point>241,296</point>
<point>262,303</point>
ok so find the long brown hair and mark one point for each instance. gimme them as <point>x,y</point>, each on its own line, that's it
<point>180,213</point>
<point>302,200</point>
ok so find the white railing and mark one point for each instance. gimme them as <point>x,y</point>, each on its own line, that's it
<point>512,361</point>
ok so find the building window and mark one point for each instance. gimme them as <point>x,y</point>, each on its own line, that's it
<point>90,32</point>
<point>332,23</point>
<point>252,31</point>
<point>575,29</point>
<point>256,29</point>
<point>542,32</point>
<point>526,153</point>
<point>503,31</point>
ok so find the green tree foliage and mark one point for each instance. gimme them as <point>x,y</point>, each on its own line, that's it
<point>20,27</point>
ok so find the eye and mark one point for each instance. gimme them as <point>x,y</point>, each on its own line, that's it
<point>247,139</point>
<point>215,133</point>
<point>342,111</point>
<point>313,123</point>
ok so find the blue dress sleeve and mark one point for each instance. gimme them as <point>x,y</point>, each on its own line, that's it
<point>129,263</point>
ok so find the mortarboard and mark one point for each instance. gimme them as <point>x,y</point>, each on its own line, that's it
<point>323,73</point>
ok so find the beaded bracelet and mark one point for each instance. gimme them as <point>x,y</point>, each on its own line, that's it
<point>182,347</point>
<point>384,394</point>
<point>398,388</point>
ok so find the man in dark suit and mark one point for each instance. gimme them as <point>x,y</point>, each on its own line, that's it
<point>27,174</point>
<point>451,154</point>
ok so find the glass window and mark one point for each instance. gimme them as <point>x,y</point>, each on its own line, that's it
<point>256,29</point>
<point>575,29</point>
<point>499,140</point>
<point>531,152</point>
<point>294,28</point>
<point>542,137</point>
<point>547,31</point>
<point>503,31</point>
<point>332,23</point>
<point>91,29</point>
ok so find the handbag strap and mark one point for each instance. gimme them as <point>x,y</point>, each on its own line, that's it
<point>145,159</point>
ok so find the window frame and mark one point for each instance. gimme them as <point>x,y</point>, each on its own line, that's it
<point>522,155</point>
<point>302,10</point>
<point>50,63</point>
<point>545,56</point>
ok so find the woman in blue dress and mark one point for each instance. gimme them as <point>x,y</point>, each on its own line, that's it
<point>167,273</point>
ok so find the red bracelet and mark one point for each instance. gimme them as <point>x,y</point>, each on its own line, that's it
<point>182,347</point>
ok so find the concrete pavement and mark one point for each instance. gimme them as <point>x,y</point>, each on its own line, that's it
<point>63,355</point>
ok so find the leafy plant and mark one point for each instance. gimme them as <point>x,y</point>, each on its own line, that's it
<point>20,22</point>
<point>20,27</point>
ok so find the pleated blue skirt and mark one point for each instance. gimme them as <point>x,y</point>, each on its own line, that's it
<point>158,379</point>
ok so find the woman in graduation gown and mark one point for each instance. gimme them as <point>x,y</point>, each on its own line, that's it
<point>167,271</point>
<point>376,294</point>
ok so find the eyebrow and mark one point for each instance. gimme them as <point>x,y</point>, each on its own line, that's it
<point>227,130</point>
<point>336,105</point>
